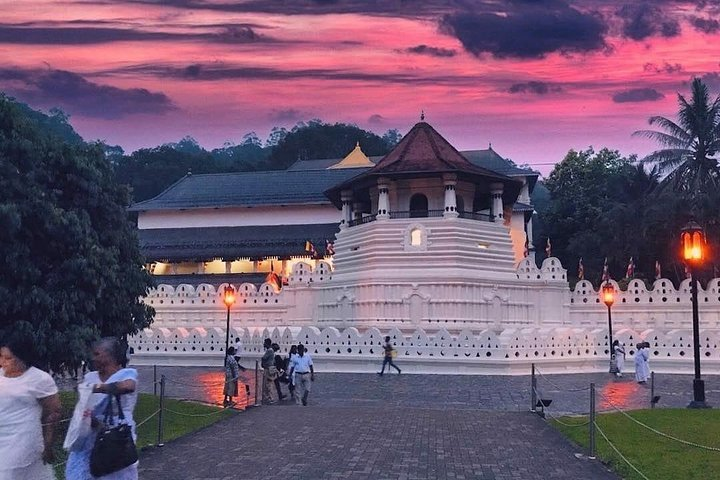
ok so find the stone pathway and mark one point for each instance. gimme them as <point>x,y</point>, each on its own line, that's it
<point>367,442</point>
<point>362,426</point>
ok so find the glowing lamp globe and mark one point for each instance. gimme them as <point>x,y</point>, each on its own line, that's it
<point>692,239</point>
<point>229,296</point>
<point>608,293</point>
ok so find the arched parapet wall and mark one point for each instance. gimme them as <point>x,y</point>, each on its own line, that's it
<point>553,270</point>
<point>301,273</point>
<point>322,272</point>
<point>527,270</point>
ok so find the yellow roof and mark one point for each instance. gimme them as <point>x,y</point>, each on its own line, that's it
<point>354,159</point>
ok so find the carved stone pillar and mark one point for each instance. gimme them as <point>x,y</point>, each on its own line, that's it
<point>346,197</point>
<point>383,211</point>
<point>450,180</point>
<point>496,192</point>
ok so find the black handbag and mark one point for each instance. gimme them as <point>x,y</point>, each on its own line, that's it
<point>114,447</point>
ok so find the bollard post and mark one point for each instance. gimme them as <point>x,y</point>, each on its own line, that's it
<point>592,421</point>
<point>160,414</point>
<point>257,366</point>
<point>533,389</point>
<point>155,380</point>
<point>652,389</point>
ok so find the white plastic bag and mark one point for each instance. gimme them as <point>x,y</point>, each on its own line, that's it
<point>80,427</point>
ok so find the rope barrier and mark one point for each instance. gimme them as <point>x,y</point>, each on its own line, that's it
<point>557,419</point>
<point>56,422</point>
<point>582,389</point>
<point>658,432</point>
<point>618,452</point>
<point>138,425</point>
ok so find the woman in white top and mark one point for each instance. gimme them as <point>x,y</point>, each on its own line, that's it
<point>29,409</point>
<point>108,377</point>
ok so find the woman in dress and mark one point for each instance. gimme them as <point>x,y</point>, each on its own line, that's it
<point>108,376</point>
<point>232,372</point>
<point>29,409</point>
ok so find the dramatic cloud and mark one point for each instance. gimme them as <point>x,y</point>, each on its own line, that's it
<point>376,119</point>
<point>288,115</point>
<point>705,25</point>
<point>76,95</point>
<point>712,80</point>
<point>643,20</point>
<point>13,34</point>
<point>538,88</point>
<point>664,68</point>
<point>431,51</point>
<point>529,30</point>
<point>638,95</point>
<point>219,72</point>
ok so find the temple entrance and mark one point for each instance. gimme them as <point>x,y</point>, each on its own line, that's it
<point>418,206</point>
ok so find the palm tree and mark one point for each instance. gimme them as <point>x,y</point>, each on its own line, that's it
<point>691,146</point>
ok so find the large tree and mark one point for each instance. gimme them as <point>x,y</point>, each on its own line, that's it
<point>690,146</point>
<point>69,257</point>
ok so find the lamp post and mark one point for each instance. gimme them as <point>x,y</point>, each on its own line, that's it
<point>608,294</point>
<point>229,299</point>
<point>692,239</point>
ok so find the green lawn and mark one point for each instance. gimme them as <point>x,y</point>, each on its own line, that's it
<point>655,456</point>
<point>175,425</point>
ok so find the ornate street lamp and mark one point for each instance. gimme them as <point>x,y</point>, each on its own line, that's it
<point>229,299</point>
<point>692,240</point>
<point>608,295</point>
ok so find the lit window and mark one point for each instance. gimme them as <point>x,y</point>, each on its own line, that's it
<point>415,237</point>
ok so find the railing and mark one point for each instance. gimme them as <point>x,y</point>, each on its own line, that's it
<point>360,221</point>
<point>417,214</point>
<point>484,217</point>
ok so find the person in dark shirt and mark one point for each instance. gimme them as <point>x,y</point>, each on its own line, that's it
<point>388,357</point>
<point>280,366</point>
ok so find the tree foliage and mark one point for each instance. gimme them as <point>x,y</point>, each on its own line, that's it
<point>71,265</point>
<point>691,146</point>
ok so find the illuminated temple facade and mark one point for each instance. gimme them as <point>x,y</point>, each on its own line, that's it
<point>426,244</point>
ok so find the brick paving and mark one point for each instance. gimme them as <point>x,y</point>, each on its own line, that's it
<point>398,427</point>
<point>367,442</point>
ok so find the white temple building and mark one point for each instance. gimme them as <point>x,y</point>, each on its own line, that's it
<point>426,244</point>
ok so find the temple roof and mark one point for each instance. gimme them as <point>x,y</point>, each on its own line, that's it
<point>354,159</point>
<point>424,150</point>
<point>208,243</point>
<point>248,189</point>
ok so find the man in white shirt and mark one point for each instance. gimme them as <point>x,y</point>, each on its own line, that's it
<point>302,367</point>
<point>238,352</point>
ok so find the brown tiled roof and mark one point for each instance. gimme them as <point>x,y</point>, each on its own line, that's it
<point>424,150</point>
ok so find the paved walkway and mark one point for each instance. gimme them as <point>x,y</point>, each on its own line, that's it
<point>362,426</point>
<point>356,442</point>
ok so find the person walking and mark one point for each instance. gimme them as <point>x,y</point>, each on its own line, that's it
<point>269,372</point>
<point>232,372</point>
<point>280,369</point>
<point>642,369</point>
<point>108,378</point>
<point>302,368</point>
<point>619,352</point>
<point>29,410</point>
<point>288,367</point>
<point>388,357</point>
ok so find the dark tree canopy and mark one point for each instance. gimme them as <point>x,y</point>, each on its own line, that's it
<point>70,262</point>
<point>316,139</point>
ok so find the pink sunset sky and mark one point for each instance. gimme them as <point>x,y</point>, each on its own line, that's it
<point>534,78</point>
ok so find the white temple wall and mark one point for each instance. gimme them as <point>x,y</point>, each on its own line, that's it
<point>239,217</point>
<point>461,328</point>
